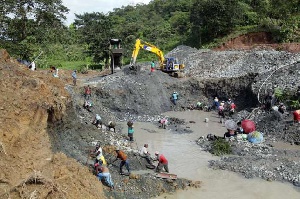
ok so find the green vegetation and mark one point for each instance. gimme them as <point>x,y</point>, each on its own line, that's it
<point>30,27</point>
<point>295,104</point>
<point>220,147</point>
<point>288,97</point>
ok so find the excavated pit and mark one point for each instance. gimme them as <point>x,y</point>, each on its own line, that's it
<point>143,98</point>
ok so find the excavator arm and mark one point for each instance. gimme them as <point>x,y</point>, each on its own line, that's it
<point>168,65</point>
<point>140,44</point>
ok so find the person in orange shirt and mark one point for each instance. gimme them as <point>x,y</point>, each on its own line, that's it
<point>124,161</point>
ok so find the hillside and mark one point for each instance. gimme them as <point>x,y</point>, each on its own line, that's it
<point>30,100</point>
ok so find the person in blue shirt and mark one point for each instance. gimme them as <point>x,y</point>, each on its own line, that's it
<point>174,97</point>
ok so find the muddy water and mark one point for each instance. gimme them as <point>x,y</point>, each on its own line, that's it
<point>188,161</point>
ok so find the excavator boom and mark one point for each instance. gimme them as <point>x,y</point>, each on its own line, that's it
<point>139,44</point>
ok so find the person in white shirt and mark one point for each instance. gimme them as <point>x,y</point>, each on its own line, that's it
<point>97,121</point>
<point>32,66</point>
<point>145,154</point>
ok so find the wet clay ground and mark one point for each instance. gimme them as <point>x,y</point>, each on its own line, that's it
<point>187,160</point>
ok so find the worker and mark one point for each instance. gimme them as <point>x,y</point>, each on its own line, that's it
<point>152,67</point>
<point>216,103</point>
<point>162,162</point>
<point>239,129</point>
<point>102,173</point>
<point>230,133</point>
<point>144,153</point>
<point>232,108</point>
<point>281,108</point>
<point>174,97</point>
<point>229,101</point>
<point>199,106</point>
<point>97,121</point>
<point>269,101</point>
<point>87,105</point>
<point>163,122</point>
<point>221,114</point>
<point>74,76</point>
<point>99,155</point>
<point>130,130</point>
<point>124,161</point>
<point>87,92</point>
<point>296,115</point>
<point>231,127</point>
<point>112,125</point>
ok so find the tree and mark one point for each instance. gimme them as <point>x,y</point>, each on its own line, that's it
<point>215,18</point>
<point>95,30</point>
<point>30,22</point>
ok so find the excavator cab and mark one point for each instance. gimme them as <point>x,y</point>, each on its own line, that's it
<point>171,65</point>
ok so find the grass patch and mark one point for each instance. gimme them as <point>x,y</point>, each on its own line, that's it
<point>220,147</point>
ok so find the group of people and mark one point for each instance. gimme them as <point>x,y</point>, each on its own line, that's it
<point>223,106</point>
<point>102,171</point>
<point>100,165</point>
<point>162,160</point>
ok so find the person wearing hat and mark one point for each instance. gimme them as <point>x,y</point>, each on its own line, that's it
<point>174,97</point>
<point>231,129</point>
<point>162,162</point>
<point>124,161</point>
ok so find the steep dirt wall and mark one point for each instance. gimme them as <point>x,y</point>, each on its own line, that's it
<point>29,100</point>
<point>238,89</point>
<point>258,40</point>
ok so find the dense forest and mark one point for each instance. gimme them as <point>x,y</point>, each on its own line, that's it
<point>35,28</point>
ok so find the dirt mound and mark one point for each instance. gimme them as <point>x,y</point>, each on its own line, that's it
<point>258,40</point>
<point>29,101</point>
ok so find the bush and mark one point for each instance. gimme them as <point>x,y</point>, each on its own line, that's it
<point>220,147</point>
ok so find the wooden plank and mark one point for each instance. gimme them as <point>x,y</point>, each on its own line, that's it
<point>166,176</point>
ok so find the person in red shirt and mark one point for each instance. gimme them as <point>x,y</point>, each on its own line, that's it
<point>87,92</point>
<point>232,108</point>
<point>296,115</point>
<point>162,162</point>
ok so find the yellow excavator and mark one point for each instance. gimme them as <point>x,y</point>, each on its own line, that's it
<point>168,65</point>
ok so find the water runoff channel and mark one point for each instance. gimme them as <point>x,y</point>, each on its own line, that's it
<point>187,160</point>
